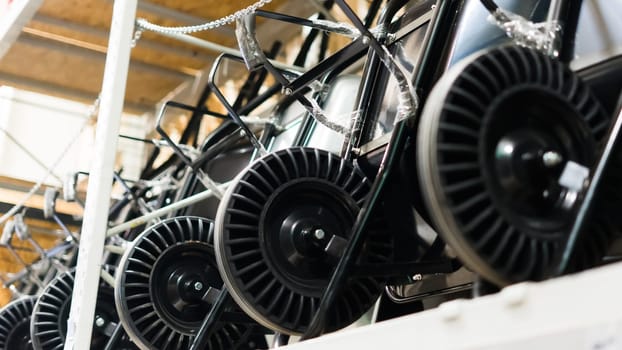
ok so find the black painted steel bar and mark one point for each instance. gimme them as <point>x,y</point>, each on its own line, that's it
<point>209,323</point>
<point>255,81</point>
<point>594,183</point>
<point>568,16</point>
<point>115,337</point>
<point>289,19</point>
<point>167,138</point>
<point>233,114</point>
<point>352,51</point>
<point>433,51</point>
<point>372,12</point>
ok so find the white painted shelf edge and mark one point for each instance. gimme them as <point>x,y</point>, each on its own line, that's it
<point>577,312</point>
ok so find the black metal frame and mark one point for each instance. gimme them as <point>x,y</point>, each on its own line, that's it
<point>432,62</point>
<point>431,65</point>
<point>427,71</point>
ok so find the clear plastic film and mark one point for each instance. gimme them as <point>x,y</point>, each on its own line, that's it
<point>257,120</point>
<point>254,58</point>
<point>342,28</point>
<point>541,36</point>
<point>245,35</point>
<point>332,123</point>
<point>408,101</point>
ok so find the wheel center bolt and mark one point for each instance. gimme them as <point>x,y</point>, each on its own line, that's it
<point>319,234</point>
<point>99,321</point>
<point>551,159</point>
<point>198,286</point>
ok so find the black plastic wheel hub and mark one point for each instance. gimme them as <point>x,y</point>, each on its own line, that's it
<point>49,322</point>
<point>181,276</point>
<point>15,324</point>
<point>495,136</point>
<point>273,238</point>
<point>526,146</point>
<point>299,221</point>
<point>162,288</point>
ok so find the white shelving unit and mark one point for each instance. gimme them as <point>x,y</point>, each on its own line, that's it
<point>577,312</point>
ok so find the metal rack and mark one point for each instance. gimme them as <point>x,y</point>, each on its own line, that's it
<point>536,315</point>
<point>93,234</point>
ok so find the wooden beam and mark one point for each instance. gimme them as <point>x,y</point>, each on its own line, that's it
<point>143,42</point>
<point>65,92</point>
<point>38,201</point>
<point>95,52</point>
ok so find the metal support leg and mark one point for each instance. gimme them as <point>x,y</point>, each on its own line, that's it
<point>596,177</point>
<point>432,59</point>
<point>80,323</point>
<point>202,338</point>
<point>115,338</point>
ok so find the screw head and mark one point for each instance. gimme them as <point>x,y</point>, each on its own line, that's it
<point>99,321</point>
<point>319,233</point>
<point>198,286</point>
<point>551,159</point>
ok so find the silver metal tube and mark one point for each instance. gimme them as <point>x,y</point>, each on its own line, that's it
<point>162,211</point>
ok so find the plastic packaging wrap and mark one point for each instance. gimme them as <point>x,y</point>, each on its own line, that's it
<point>541,36</point>
<point>245,35</point>
<point>408,101</point>
<point>337,27</point>
<point>331,123</point>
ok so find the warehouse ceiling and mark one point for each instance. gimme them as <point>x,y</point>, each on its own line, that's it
<point>62,51</point>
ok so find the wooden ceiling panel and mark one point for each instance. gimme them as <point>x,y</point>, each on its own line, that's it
<point>98,13</point>
<point>141,53</point>
<point>212,9</point>
<point>65,46</point>
<point>56,68</point>
<point>94,13</point>
<point>148,88</point>
<point>53,67</point>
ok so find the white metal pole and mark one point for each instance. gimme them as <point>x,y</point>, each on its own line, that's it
<point>80,323</point>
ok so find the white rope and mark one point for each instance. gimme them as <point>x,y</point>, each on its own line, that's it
<point>143,24</point>
<point>91,113</point>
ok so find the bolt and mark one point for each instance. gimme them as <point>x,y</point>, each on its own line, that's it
<point>365,40</point>
<point>551,159</point>
<point>99,321</point>
<point>417,277</point>
<point>198,286</point>
<point>288,91</point>
<point>319,234</point>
